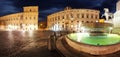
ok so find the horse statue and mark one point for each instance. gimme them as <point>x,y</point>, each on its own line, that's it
<point>107,14</point>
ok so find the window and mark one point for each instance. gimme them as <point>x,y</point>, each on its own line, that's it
<point>30,18</point>
<point>63,17</point>
<point>87,16</point>
<point>34,17</point>
<point>91,21</point>
<point>67,16</point>
<point>63,26</point>
<point>92,16</point>
<point>71,15</point>
<point>58,17</point>
<point>26,18</point>
<point>71,21</point>
<point>30,10</point>
<point>78,15</point>
<point>82,15</point>
<point>87,21</point>
<point>96,16</point>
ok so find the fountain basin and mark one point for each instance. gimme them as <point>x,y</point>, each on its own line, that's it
<point>96,45</point>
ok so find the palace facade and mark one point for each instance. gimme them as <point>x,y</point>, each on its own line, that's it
<point>71,19</point>
<point>26,20</point>
<point>116,20</point>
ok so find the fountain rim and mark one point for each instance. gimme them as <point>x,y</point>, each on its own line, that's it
<point>89,44</point>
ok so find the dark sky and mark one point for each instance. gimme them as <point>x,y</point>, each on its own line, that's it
<point>47,7</point>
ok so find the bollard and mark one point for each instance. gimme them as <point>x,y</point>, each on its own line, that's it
<point>52,43</point>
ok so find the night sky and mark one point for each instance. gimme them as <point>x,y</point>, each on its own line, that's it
<point>47,7</point>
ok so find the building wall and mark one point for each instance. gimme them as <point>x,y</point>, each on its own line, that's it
<point>27,20</point>
<point>118,5</point>
<point>71,18</point>
<point>116,20</point>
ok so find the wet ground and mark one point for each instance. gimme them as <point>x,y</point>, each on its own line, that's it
<point>34,44</point>
<point>25,44</point>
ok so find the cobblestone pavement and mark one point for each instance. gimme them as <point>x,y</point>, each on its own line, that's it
<point>25,44</point>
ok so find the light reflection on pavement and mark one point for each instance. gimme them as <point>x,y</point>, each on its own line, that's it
<point>25,44</point>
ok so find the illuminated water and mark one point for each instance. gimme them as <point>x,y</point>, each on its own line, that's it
<point>85,38</point>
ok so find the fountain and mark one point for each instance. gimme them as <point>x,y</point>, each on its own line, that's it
<point>97,40</point>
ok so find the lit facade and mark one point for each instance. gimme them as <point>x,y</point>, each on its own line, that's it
<point>26,20</point>
<point>116,20</point>
<point>71,19</point>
